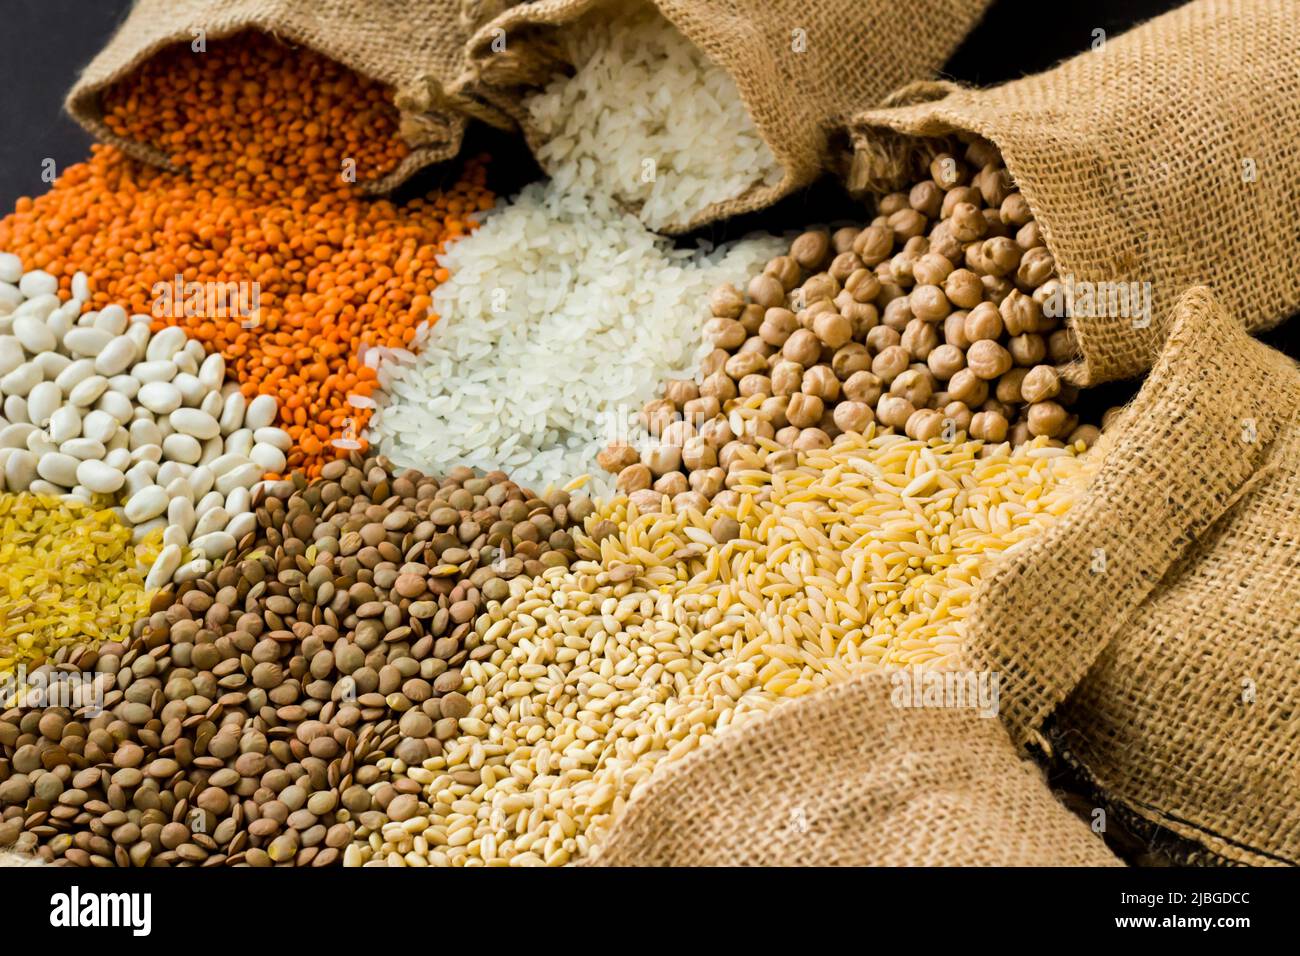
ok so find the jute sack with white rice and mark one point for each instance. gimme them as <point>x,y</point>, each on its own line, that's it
<point>417,50</point>
<point>848,777</point>
<point>1153,632</point>
<point>1164,159</point>
<point>761,83</point>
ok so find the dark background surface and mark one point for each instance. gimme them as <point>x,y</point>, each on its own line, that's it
<point>45,43</point>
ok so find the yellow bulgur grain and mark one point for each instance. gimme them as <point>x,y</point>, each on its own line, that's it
<point>68,575</point>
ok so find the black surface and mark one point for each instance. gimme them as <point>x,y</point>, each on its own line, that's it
<point>45,43</point>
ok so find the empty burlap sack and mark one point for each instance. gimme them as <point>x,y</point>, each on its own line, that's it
<point>416,49</point>
<point>1159,619</point>
<point>856,52</point>
<point>844,777</point>
<point>1166,157</point>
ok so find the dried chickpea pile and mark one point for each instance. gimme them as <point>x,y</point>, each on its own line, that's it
<point>678,624</point>
<point>929,321</point>
<point>68,575</point>
<point>270,142</point>
<point>248,716</point>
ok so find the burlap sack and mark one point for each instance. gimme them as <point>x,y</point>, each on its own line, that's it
<point>1159,620</point>
<point>417,49</point>
<point>857,51</point>
<point>844,777</point>
<point>1166,157</point>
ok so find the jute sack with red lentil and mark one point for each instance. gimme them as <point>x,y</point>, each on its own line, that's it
<point>847,777</point>
<point>801,66</point>
<point>1164,158</point>
<point>417,50</point>
<point>1151,635</point>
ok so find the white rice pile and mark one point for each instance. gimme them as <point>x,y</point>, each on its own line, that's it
<point>648,119</point>
<point>562,317</point>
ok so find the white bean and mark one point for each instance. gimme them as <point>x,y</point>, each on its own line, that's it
<point>146,372</point>
<point>87,342</point>
<point>202,480</point>
<point>81,287</point>
<point>16,408</point>
<point>84,449</point>
<point>185,364</point>
<point>117,405</point>
<point>192,421</point>
<point>11,353</point>
<point>161,398</point>
<point>138,332</point>
<point>261,412</point>
<point>100,477</point>
<point>191,389</point>
<point>240,443</point>
<point>40,486</point>
<point>42,402</point>
<point>15,435</point>
<point>118,458</point>
<point>146,528</point>
<point>180,447</point>
<point>52,364</point>
<point>212,450</point>
<point>241,524</point>
<point>213,371</point>
<point>112,319</point>
<point>212,404</point>
<point>148,502</point>
<point>38,282</point>
<point>39,307</point>
<point>164,566</point>
<point>10,298</point>
<point>11,268</point>
<point>242,477</point>
<point>58,468</point>
<point>22,379</point>
<point>195,569</point>
<point>76,373</point>
<point>145,431</point>
<point>89,391</point>
<point>38,443</point>
<point>232,413</point>
<point>213,499</point>
<point>66,423</point>
<point>180,513</point>
<point>166,343</point>
<point>239,500</point>
<point>178,487</point>
<point>214,544</point>
<point>168,471</point>
<point>124,385</point>
<point>277,437</point>
<point>269,457</point>
<point>213,519</point>
<point>115,357</point>
<point>20,469</point>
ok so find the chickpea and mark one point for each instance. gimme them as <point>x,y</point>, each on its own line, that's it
<point>983,323</point>
<point>820,380</point>
<point>680,391</point>
<point>900,267</point>
<point>914,385</point>
<point>1028,349</point>
<point>987,359</point>
<point>988,426</point>
<point>931,269</point>
<point>928,303</point>
<point>959,414</point>
<point>883,337</point>
<point>657,414</point>
<point>966,386</point>
<point>785,270</point>
<point>810,249</point>
<point>947,171</point>
<point>1037,265</point>
<point>862,316</point>
<point>662,459</point>
<point>699,410</point>
<point>853,416</point>
<point>726,302</point>
<point>787,377</point>
<point>842,239</point>
<point>646,500</point>
<point>1046,418</point>
<point>811,439</point>
<point>926,197</point>
<point>1088,434</point>
<point>874,244</point>
<point>754,384</point>
<point>954,330</point>
<point>617,456</point>
<point>894,411</point>
<point>1015,210</point>
<point>633,478</point>
<point>677,433</point>
<point>1002,408</point>
<point>745,363</point>
<point>944,361</point>
<point>720,386</point>
<point>713,362</point>
<point>980,152</point>
<point>707,481</point>
<point>672,483</point>
<point>786,436</point>
<point>907,223</point>
<point>898,313</point>
<point>1001,255</point>
<point>726,498</point>
<point>1029,236</point>
<point>779,461</point>
<point>1041,383</point>
<point>821,286</point>
<point>967,223</point>
<point>1019,434</point>
<point>1009,386</point>
<point>844,265</point>
<point>690,501</point>
<point>766,290</point>
<point>996,288</point>
<point>994,184</point>
<point>891,203</point>
<point>725,333</point>
<point>891,363</point>
<point>778,325</point>
<point>943,244</point>
<point>734,454</point>
<point>773,410</point>
<point>924,424</point>
<point>863,285</point>
<point>717,432</point>
<point>1062,346</point>
<point>803,347</point>
<point>698,453</point>
<point>920,339</point>
<point>751,318</point>
<point>832,328</point>
<point>959,194</point>
<point>804,410</point>
<point>1020,313</point>
<point>863,386</point>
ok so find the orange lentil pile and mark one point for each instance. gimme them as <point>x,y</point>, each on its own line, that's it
<point>259,133</point>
